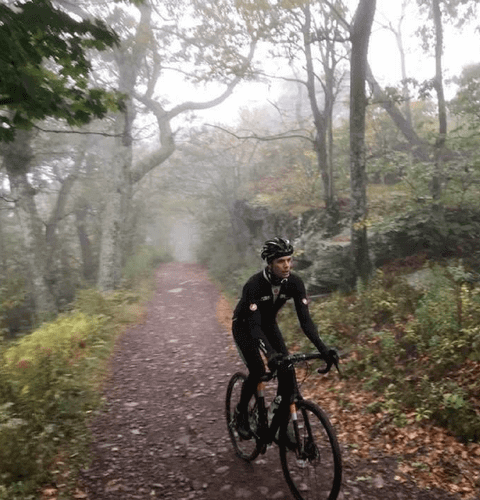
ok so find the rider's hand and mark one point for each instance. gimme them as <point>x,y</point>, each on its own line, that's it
<point>333,357</point>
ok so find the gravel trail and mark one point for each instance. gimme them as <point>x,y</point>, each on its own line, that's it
<point>162,431</point>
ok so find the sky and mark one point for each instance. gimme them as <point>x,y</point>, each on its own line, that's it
<point>460,49</point>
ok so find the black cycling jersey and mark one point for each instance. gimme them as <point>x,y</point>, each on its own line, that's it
<point>260,302</point>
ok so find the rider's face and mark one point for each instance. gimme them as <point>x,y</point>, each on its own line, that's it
<point>281,267</point>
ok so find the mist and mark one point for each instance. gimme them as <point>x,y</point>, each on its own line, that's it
<point>184,236</point>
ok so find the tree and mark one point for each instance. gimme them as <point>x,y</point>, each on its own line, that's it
<point>431,34</point>
<point>18,156</point>
<point>466,102</point>
<point>42,173</point>
<point>218,48</point>
<point>326,36</point>
<point>438,10</point>
<point>128,59</point>
<point>437,180</point>
<point>397,32</point>
<point>308,37</point>
<point>359,35</point>
<point>44,56</point>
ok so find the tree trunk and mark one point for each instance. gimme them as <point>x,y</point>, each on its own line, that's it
<point>3,253</point>
<point>88,261</point>
<point>51,229</point>
<point>403,66</point>
<point>111,249</point>
<point>114,222</point>
<point>437,181</point>
<point>321,119</point>
<point>18,156</point>
<point>360,35</point>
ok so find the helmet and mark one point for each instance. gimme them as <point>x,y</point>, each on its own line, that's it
<point>276,248</point>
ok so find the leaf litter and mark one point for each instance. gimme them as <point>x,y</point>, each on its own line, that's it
<point>426,454</point>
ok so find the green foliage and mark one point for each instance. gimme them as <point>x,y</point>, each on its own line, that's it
<point>49,387</point>
<point>45,66</point>
<point>385,200</point>
<point>142,263</point>
<point>46,378</point>
<point>14,309</point>
<point>446,233</point>
<point>467,100</point>
<point>224,260</point>
<point>409,344</point>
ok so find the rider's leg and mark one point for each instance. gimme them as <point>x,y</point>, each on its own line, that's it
<point>248,349</point>
<point>286,377</point>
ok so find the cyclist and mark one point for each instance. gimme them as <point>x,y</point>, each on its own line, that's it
<point>254,324</point>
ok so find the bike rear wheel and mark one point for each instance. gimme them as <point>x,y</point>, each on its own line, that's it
<point>312,466</point>
<point>248,449</point>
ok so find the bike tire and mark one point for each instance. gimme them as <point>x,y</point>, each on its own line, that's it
<point>247,449</point>
<point>313,470</point>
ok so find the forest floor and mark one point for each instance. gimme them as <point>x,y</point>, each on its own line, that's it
<point>162,433</point>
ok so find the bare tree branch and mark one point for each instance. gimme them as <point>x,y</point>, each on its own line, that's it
<point>263,138</point>
<point>79,132</point>
<point>191,106</point>
<point>7,200</point>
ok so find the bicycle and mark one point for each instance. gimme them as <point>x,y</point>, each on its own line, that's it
<point>309,450</point>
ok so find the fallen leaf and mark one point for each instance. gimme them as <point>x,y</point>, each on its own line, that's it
<point>80,494</point>
<point>49,492</point>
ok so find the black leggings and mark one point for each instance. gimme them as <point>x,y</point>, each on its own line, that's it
<point>250,349</point>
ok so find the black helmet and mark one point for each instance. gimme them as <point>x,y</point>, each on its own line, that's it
<point>276,248</point>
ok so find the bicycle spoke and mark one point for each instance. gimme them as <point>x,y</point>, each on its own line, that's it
<point>248,449</point>
<point>312,466</point>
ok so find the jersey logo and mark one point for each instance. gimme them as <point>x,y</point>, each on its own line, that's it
<point>253,307</point>
<point>266,297</point>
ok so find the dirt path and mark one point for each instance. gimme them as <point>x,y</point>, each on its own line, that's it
<point>162,432</point>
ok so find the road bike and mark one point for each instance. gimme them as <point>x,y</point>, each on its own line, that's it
<point>309,450</point>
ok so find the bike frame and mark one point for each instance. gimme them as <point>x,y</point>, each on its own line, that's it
<point>266,431</point>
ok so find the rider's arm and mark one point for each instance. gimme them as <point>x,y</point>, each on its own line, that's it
<point>303,313</point>
<point>252,294</point>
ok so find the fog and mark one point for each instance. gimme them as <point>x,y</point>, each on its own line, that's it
<point>183,239</point>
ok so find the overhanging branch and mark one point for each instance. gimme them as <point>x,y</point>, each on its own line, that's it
<point>263,138</point>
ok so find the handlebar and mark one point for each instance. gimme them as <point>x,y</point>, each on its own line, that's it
<point>292,359</point>
<point>298,358</point>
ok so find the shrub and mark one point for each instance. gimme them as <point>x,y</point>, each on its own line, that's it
<point>141,264</point>
<point>447,234</point>
<point>47,390</point>
<point>48,386</point>
<point>16,311</point>
<point>409,345</point>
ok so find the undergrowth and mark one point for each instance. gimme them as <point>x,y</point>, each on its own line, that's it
<point>417,345</point>
<point>50,386</point>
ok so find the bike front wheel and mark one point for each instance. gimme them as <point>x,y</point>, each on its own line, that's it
<point>310,456</point>
<point>248,449</point>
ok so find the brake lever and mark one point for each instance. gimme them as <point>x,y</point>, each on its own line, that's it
<point>337,366</point>
<point>327,368</point>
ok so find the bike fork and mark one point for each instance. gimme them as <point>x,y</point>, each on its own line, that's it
<point>294,417</point>
<point>262,421</point>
